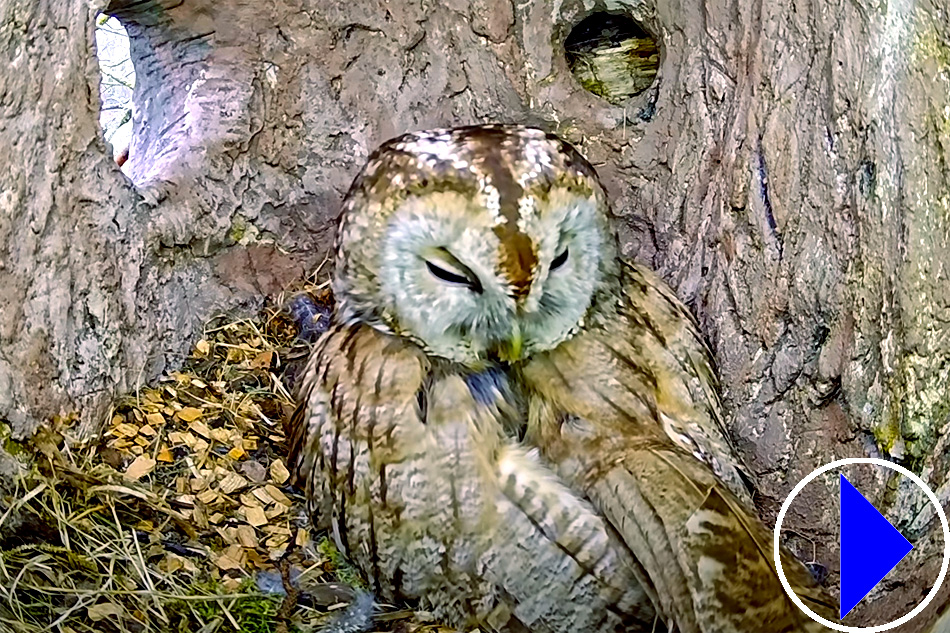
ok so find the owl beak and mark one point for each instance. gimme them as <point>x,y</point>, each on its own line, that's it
<point>514,344</point>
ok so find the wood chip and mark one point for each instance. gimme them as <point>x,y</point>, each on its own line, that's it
<point>278,472</point>
<point>171,563</point>
<point>199,427</point>
<point>200,516</point>
<point>231,585</point>
<point>276,541</point>
<point>254,558</point>
<point>126,430</point>
<point>275,511</point>
<point>277,495</point>
<point>155,419</point>
<point>263,496</point>
<point>140,466</point>
<point>225,562</point>
<point>189,414</point>
<point>208,496</point>
<point>249,500</point>
<point>220,435</point>
<point>228,534</point>
<point>247,536</point>
<point>232,483</point>
<point>255,515</point>
<point>165,455</point>
<point>147,430</point>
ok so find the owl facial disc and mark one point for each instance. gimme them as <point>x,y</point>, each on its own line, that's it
<point>480,243</point>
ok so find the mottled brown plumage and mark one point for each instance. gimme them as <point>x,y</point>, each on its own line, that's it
<point>481,299</point>
<point>595,404</point>
<point>427,494</point>
<point>642,352</point>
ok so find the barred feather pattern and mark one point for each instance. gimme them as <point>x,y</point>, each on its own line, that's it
<point>651,360</point>
<point>434,502</point>
<point>708,557</point>
<point>627,414</point>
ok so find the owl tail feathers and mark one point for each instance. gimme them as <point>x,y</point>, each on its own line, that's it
<point>707,555</point>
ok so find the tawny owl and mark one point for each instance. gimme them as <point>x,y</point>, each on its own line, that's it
<point>480,297</point>
<point>405,437</point>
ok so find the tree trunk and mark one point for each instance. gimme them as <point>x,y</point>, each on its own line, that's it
<point>786,173</point>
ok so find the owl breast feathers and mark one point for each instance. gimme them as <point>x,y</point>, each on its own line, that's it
<point>511,425</point>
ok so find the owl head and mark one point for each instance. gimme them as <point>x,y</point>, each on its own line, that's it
<point>478,243</point>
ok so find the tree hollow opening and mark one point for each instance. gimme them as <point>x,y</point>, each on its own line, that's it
<point>116,85</point>
<point>612,56</point>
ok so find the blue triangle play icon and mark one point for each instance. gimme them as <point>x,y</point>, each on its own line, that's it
<point>870,547</point>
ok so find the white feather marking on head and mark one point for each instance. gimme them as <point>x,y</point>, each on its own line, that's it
<point>527,207</point>
<point>491,200</point>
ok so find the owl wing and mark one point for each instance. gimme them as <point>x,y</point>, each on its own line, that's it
<point>433,502</point>
<point>709,557</point>
<point>706,555</point>
<point>653,347</point>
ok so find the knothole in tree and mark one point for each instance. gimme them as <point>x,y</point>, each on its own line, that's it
<point>612,56</point>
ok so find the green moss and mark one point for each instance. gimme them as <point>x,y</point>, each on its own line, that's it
<point>238,228</point>
<point>886,434</point>
<point>930,45</point>
<point>254,613</point>
<point>344,570</point>
<point>10,445</point>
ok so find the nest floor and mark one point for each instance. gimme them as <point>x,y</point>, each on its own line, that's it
<point>179,517</point>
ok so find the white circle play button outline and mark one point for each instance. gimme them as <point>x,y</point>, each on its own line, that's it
<point>848,462</point>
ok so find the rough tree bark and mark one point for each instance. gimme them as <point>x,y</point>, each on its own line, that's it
<point>787,173</point>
